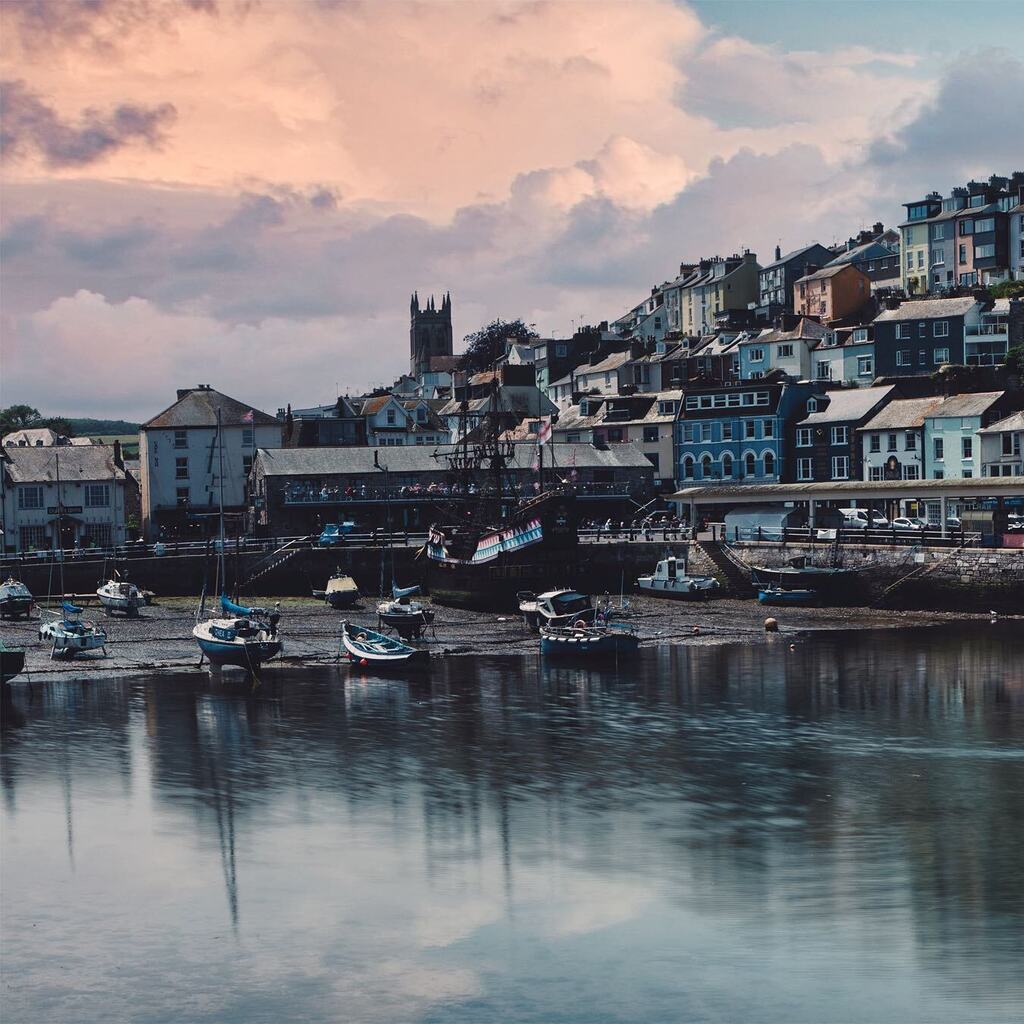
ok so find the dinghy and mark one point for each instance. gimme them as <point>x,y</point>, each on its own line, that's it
<point>780,595</point>
<point>586,641</point>
<point>365,646</point>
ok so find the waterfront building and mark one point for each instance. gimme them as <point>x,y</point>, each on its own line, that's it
<point>825,443</point>
<point>300,490</point>
<point>892,441</point>
<point>834,292</point>
<point>95,492</point>
<point>921,335</point>
<point>738,432</point>
<point>392,421</point>
<point>776,281</point>
<point>1002,446</point>
<point>846,354</point>
<point>180,455</point>
<point>951,447</point>
<point>780,349</point>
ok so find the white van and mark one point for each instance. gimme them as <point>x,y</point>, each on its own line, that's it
<point>863,518</point>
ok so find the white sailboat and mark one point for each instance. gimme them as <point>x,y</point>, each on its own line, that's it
<point>68,634</point>
<point>241,636</point>
<point>118,595</point>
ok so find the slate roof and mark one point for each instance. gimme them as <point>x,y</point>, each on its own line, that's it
<point>926,309</point>
<point>827,271</point>
<point>976,404</point>
<point>902,414</point>
<point>1013,422</point>
<point>42,437</point>
<point>863,253</point>
<point>805,330</point>
<point>847,405</point>
<point>285,462</point>
<point>791,256</point>
<point>199,409</point>
<point>93,463</point>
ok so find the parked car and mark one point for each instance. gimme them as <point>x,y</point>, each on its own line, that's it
<point>909,523</point>
<point>335,533</point>
<point>863,518</point>
<point>953,522</point>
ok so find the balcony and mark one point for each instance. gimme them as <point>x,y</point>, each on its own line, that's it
<point>999,329</point>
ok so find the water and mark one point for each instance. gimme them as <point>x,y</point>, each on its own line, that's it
<point>729,834</point>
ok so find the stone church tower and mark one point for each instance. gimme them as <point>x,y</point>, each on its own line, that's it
<point>430,332</point>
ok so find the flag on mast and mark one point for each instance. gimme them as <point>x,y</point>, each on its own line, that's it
<point>544,433</point>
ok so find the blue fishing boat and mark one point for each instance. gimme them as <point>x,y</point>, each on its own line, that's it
<point>780,595</point>
<point>364,646</point>
<point>245,637</point>
<point>584,641</point>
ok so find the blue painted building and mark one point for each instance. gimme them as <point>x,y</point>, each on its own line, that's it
<point>738,431</point>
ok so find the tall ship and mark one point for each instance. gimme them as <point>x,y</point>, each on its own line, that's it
<point>494,543</point>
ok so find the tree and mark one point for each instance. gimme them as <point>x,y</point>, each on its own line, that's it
<point>24,417</point>
<point>1015,359</point>
<point>483,347</point>
<point>1007,290</point>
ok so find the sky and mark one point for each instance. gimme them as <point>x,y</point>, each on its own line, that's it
<point>246,193</point>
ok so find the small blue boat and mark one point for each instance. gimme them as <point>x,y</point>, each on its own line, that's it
<point>365,646</point>
<point>246,638</point>
<point>584,641</point>
<point>779,595</point>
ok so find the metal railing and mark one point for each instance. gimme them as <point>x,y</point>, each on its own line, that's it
<point>931,536</point>
<point>987,329</point>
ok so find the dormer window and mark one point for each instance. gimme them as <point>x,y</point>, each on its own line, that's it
<point>860,334</point>
<point>812,405</point>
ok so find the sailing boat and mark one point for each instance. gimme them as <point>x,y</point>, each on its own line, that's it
<point>117,594</point>
<point>68,634</point>
<point>241,636</point>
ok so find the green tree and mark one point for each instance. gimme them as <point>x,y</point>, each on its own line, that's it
<point>483,347</point>
<point>1007,290</point>
<point>18,417</point>
<point>1015,359</point>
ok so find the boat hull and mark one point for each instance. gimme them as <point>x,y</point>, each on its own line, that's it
<point>365,648</point>
<point>787,597</point>
<point>11,664</point>
<point>680,590</point>
<point>584,643</point>
<point>15,607</point>
<point>832,585</point>
<point>248,655</point>
<point>342,599</point>
<point>68,643</point>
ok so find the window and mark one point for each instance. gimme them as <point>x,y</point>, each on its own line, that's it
<point>726,465</point>
<point>785,350</point>
<point>941,355</point>
<point>910,442</point>
<point>769,464</point>
<point>967,448</point>
<point>705,467</point>
<point>903,358</point>
<point>666,408</point>
<point>688,467</point>
<point>938,232</point>
<point>911,472</point>
<point>922,357</point>
<point>805,469</point>
<point>940,329</point>
<point>984,224</point>
<point>804,437</point>
<point>767,428</point>
<point>1011,444</point>
<point>865,366</point>
<point>874,442</point>
<point>100,534</point>
<point>824,370</point>
<point>920,259</point>
<point>903,330</point>
<point>97,495</point>
<point>874,472</point>
<point>812,405</point>
<point>984,252</point>
<point>891,442</point>
<point>181,496</point>
<point>749,464</point>
<point>391,417</point>
<point>246,464</point>
<point>910,260</point>
<point>937,448</point>
<point>840,467</point>
<point>687,433</point>
<point>967,473</point>
<point>756,355</point>
<point>840,435</point>
<point>938,474</point>
<point>938,257</point>
<point>650,434</point>
<point>967,227</point>
<point>421,415</point>
<point>705,432</point>
<point>181,469</point>
<point>749,429</point>
<point>860,334</point>
<point>30,496</point>
<point>561,350</point>
<point>962,257</point>
<point>33,537</point>
<point>181,439</point>
<point>727,430</point>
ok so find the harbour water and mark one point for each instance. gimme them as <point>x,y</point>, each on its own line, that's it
<point>756,833</point>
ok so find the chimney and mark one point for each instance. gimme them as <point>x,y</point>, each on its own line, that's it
<point>778,252</point>
<point>182,392</point>
<point>878,228</point>
<point>118,458</point>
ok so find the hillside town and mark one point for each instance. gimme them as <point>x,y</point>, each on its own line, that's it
<point>894,356</point>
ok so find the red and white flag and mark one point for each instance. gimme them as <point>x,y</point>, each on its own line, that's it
<point>544,433</point>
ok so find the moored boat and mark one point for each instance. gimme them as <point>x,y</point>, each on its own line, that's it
<point>669,579</point>
<point>120,596</point>
<point>364,646</point>
<point>69,636</point>
<point>408,617</point>
<point>341,591</point>
<point>15,599</point>
<point>783,596</point>
<point>584,641</point>
<point>245,637</point>
<point>556,608</point>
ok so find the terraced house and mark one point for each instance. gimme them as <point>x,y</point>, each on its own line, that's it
<point>738,432</point>
<point>920,336</point>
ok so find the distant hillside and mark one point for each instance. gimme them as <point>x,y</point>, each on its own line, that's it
<point>95,428</point>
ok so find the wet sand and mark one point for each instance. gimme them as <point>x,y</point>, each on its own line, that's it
<point>161,637</point>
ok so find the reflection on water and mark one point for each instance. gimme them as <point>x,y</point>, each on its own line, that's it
<point>831,833</point>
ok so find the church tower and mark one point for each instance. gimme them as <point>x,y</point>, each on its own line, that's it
<point>430,332</point>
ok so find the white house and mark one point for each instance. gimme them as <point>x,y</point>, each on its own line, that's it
<point>951,448</point>
<point>1002,446</point>
<point>892,441</point>
<point>180,456</point>
<point>393,421</point>
<point>92,495</point>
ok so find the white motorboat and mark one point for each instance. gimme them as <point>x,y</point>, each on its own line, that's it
<point>408,617</point>
<point>121,596</point>
<point>556,609</point>
<point>670,579</point>
<point>15,599</point>
<point>70,636</point>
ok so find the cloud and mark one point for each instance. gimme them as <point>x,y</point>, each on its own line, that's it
<point>31,127</point>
